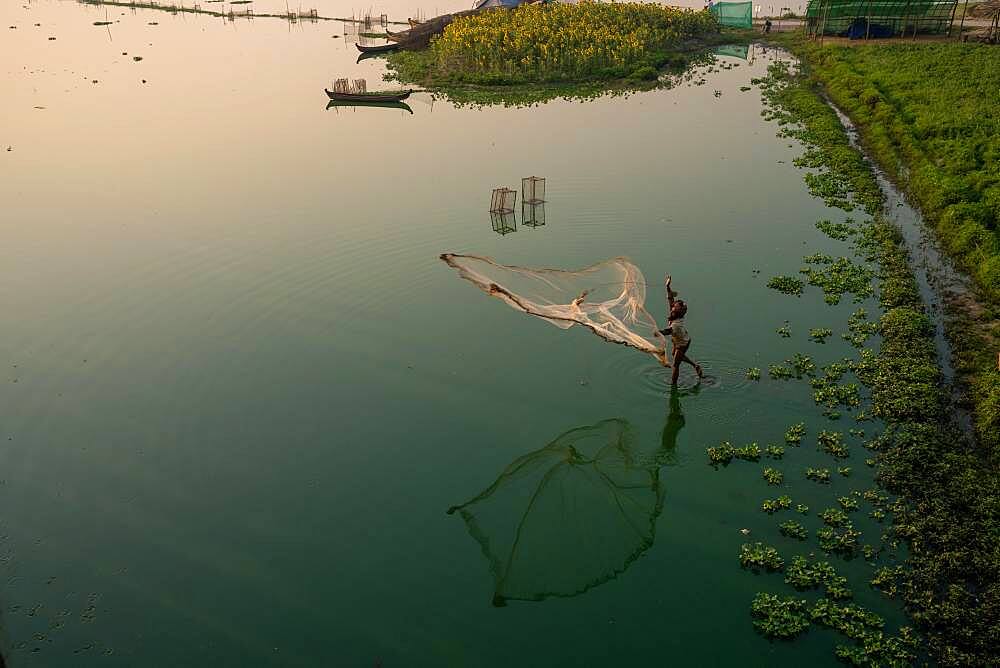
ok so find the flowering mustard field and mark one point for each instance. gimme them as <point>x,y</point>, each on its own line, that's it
<point>561,42</point>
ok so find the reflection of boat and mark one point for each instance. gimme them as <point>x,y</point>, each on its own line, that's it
<point>368,97</point>
<point>336,104</point>
<point>381,48</point>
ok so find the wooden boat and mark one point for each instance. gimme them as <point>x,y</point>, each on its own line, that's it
<point>338,104</point>
<point>369,97</point>
<point>381,48</point>
<point>397,36</point>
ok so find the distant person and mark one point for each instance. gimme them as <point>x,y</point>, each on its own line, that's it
<point>767,25</point>
<point>676,310</point>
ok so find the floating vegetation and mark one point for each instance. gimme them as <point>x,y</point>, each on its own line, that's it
<point>842,540</point>
<point>847,503</point>
<point>749,452</point>
<point>819,475</point>
<point>804,575</point>
<point>831,395</point>
<point>801,508</point>
<point>834,517</point>
<point>776,617</point>
<point>773,476</point>
<point>795,433</point>
<point>832,443</point>
<point>774,451</point>
<point>793,529</point>
<point>860,330</point>
<point>844,471</point>
<point>820,334</point>
<point>760,557</point>
<point>721,454</point>
<point>802,365</point>
<point>786,284</point>
<point>753,373</point>
<point>784,331</point>
<point>771,506</point>
<point>841,276</point>
<point>779,372</point>
<point>838,231</point>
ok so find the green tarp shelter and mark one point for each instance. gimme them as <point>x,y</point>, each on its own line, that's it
<point>733,14</point>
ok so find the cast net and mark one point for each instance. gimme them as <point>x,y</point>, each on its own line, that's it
<point>608,298</point>
<point>568,517</point>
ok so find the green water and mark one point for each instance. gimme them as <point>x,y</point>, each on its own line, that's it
<point>240,391</point>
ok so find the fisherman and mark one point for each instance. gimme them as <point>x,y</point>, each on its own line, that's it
<point>676,310</point>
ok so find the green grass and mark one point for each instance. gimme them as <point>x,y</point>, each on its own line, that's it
<point>927,114</point>
<point>948,507</point>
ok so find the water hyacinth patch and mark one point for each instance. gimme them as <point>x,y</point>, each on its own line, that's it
<point>831,442</point>
<point>834,517</point>
<point>839,277</point>
<point>818,475</point>
<point>847,503</point>
<point>779,372</point>
<point>838,231</point>
<point>844,471</point>
<point>801,508</point>
<point>771,506</point>
<point>760,557</point>
<point>749,452</point>
<point>753,373</point>
<point>795,433</point>
<point>793,529</point>
<point>820,334</point>
<point>788,285</point>
<point>776,617</point>
<point>860,330</point>
<point>721,454</point>
<point>773,476</point>
<point>802,365</point>
<point>803,575</point>
<point>842,540</point>
<point>774,451</point>
<point>785,331</point>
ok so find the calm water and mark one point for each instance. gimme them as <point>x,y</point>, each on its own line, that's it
<point>240,391</point>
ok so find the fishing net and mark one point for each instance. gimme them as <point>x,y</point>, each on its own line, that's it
<point>567,517</point>
<point>607,298</point>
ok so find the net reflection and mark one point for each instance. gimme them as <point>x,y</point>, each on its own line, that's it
<point>572,515</point>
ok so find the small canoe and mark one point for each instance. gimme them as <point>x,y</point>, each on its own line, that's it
<point>381,48</point>
<point>336,104</point>
<point>369,97</point>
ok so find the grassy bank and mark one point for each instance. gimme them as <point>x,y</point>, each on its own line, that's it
<point>926,114</point>
<point>948,506</point>
<point>557,43</point>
